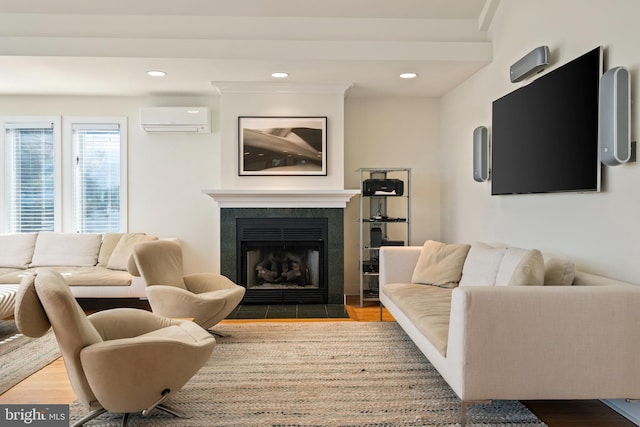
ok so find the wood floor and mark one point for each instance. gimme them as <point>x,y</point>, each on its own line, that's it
<point>51,386</point>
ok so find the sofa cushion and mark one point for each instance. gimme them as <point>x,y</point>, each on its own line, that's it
<point>124,249</point>
<point>558,270</point>
<point>428,308</point>
<point>440,264</point>
<point>521,267</point>
<point>16,250</point>
<point>75,249</point>
<point>91,276</point>
<point>482,265</point>
<point>12,276</point>
<point>109,242</point>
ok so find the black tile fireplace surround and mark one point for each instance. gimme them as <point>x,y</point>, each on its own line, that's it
<point>333,293</point>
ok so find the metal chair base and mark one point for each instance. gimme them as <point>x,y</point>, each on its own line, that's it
<point>125,419</point>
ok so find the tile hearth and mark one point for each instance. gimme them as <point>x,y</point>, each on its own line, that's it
<point>297,311</point>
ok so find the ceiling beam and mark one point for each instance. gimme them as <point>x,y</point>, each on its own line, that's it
<point>486,16</point>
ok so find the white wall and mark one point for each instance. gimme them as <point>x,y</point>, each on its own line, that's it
<point>234,105</point>
<point>166,173</point>
<point>392,132</point>
<point>597,230</point>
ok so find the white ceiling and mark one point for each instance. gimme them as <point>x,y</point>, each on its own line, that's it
<point>98,47</point>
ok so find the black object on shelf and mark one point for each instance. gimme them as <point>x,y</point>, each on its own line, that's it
<point>376,237</point>
<point>385,219</point>
<point>382,187</point>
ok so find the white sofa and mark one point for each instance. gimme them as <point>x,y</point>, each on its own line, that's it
<point>578,341</point>
<point>94,265</point>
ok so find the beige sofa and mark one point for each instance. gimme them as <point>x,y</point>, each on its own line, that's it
<point>94,265</point>
<point>491,340</point>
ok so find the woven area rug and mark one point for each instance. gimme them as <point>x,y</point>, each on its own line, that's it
<point>320,374</point>
<point>21,356</point>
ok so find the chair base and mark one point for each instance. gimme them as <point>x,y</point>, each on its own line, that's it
<point>89,417</point>
<point>125,419</point>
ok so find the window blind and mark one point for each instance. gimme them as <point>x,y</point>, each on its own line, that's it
<point>96,177</point>
<point>29,169</point>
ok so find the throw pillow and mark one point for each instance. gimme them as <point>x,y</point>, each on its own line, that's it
<point>558,270</point>
<point>509,263</point>
<point>481,266</point>
<point>16,250</point>
<point>521,267</point>
<point>109,242</point>
<point>66,249</point>
<point>124,249</point>
<point>440,264</point>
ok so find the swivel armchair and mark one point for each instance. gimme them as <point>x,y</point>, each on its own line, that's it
<point>122,360</point>
<point>206,297</point>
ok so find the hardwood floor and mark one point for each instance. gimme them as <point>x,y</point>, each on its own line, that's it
<point>51,386</point>
<point>576,413</point>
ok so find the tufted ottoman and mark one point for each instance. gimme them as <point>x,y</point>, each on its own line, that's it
<point>7,300</point>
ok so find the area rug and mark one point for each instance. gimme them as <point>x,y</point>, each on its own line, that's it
<point>320,374</point>
<point>21,356</point>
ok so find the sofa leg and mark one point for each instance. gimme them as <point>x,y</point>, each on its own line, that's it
<point>463,409</point>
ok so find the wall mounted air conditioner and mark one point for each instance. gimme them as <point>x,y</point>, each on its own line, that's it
<point>175,119</point>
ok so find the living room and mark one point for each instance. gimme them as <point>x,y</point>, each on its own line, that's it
<point>426,129</point>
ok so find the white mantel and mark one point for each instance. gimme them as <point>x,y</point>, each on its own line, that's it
<point>324,198</point>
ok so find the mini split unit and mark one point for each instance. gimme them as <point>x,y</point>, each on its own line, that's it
<point>175,120</point>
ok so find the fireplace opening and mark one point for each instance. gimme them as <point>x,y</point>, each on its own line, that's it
<point>284,266</point>
<point>283,260</point>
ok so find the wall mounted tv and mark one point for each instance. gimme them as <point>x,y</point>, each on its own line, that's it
<point>545,134</point>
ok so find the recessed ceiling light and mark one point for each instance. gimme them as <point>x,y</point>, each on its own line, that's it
<point>156,73</point>
<point>279,75</point>
<point>408,75</point>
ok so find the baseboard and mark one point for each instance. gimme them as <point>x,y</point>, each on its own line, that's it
<point>629,410</point>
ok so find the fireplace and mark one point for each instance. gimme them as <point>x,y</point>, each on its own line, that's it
<point>283,260</point>
<point>257,245</point>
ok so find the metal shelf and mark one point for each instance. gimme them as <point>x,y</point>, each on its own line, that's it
<point>395,209</point>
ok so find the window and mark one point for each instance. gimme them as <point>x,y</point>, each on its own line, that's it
<point>91,163</point>
<point>30,152</point>
<point>98,171</point>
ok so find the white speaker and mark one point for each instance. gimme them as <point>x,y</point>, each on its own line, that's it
<point>481,154</point>
<point>614,117</point>
<point>533,62</point>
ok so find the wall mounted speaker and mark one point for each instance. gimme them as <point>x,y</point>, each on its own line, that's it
<point>481,154</point>
<point>533,62</point>
<point>614,117</point>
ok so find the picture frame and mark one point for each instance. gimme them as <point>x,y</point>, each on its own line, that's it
<point>282,145</point>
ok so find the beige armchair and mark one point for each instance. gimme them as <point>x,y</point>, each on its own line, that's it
<point>206,297</point>
<point>122,360</point>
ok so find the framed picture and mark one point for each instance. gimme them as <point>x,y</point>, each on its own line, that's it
<point>282,145</point>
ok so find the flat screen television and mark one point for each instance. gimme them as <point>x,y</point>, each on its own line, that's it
<point>544,135</point>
